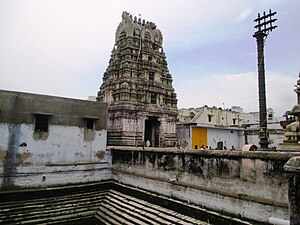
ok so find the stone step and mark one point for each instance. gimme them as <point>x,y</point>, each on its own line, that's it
<point>100,217</point>
<point>169,215</point>
<point>51,210</point>
<point>49,192</point>
<point>121,216</point>
<point>131,211</point>
<point>28,202</point>
<point>136,211</point>
<point>122,207</point>
<point>109,216</point>
<point>48,205</point>
<point>88,219</point>
<point>57,219</point>
<point>69,213</point>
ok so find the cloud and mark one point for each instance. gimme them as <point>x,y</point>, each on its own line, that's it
<point>280,92</point>
<point>58,48</point>
<point>236,89</point>
<point>244,14</point>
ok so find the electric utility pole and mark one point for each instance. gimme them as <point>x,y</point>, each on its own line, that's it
<point>264,26</point>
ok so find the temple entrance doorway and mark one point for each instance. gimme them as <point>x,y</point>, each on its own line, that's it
<point>152,127</point>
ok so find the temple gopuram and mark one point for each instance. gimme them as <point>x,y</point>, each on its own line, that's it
<point>137,85</point>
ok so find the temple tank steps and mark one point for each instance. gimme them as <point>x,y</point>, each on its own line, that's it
<point>118,208</point>
<point>105,202</point>
<point>53,210</point>
<point>64,205</point>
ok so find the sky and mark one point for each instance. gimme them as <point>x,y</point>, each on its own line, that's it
<point>62,48</point>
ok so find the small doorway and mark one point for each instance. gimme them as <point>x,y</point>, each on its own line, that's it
<point>152,127</point>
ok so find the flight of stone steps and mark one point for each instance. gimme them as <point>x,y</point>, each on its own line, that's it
<point>93,207</point>
<point>100,203</point>
<point>118,208</point>
<point>70,208</point>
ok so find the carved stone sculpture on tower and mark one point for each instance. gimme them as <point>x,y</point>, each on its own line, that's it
<point>137,85</point>
<point>292,132</point>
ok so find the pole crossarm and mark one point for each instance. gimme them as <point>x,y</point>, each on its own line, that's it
<point>265,23</point>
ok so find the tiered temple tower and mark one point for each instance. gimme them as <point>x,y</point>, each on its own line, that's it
<point>137,85</point>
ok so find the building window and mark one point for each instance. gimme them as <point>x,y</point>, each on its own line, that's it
<point>41,123</point>
<point>270,115</point>
<point>233,121</point>
<point>153,98</point>
<point>209,118</point>
<point>151,75</point>
<point>90,122</point>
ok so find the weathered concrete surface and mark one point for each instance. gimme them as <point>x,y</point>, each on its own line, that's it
<point>68,152</point>
<point>20,107</point>
<point>68,205</point>
<point>250,185</point>
<point>293,169</point>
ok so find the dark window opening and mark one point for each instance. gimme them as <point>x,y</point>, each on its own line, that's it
<point>153,98</point>
<point>209,118</point>
<point>234,121</point>
<point>41,123</point>
<point>90,124</point>
<point>151,75</point>
<point>270,116</point>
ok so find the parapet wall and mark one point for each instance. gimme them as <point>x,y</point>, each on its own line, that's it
<point>248,185</point>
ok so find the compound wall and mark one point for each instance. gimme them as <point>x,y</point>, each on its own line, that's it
<point>248,185</point>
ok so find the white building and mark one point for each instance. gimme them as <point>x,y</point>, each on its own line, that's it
<point>219,128</point>
<point>46,140</point>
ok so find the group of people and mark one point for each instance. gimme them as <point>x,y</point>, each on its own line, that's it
<point>202,147</point>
